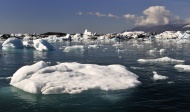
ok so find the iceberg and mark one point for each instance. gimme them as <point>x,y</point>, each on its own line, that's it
<point>164,59</point>
<point>12,43</point>
<point>158,77</point>
<point>72,78</point>
<point>167,35</point>
<point>86,32</point>
<point>42,45</point>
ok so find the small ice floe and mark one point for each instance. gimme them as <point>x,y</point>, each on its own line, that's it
<point>42,45</point>
<point>170,82</point>
<point>160,60</point>
<point>158,77</point>
<point>92,46</point>
<point>153,50</point>
<point>183,67</point>
<point>12,43</point>
<point>162,51</point>
<point>137,68</point>
<point>72,78</point>
<point>120,51</point>
<point>75,48</point>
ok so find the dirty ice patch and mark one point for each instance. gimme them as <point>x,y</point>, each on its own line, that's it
<point>158,77</point>
<point>160,60</point>
<point>72,78</point>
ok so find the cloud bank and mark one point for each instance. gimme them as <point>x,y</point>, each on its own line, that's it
<point>154,15</point>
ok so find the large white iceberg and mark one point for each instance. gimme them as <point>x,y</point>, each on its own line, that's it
<point>72,78</point>
<point>42,45</point>
<point>164,59</point>
<point>13,43</point>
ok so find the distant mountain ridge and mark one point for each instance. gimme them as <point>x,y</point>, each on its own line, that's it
<point>161,28</point>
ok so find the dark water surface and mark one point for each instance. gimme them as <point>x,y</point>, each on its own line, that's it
<point>170,95</point>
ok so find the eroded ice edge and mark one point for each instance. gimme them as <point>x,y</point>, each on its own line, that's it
<point>72,78</point>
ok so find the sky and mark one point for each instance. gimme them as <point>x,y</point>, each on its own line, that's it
<point>100,16</point>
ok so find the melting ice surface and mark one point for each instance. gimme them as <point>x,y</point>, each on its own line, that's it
<point>72,78</point>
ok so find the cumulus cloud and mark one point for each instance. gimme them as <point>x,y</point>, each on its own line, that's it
<point>154,15</point>
<point>98,14</point>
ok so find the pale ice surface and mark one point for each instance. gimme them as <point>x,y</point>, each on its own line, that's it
<point>72,78</point>
<point>156,76</point>
<point>42,45</point>
<point>28,43</point>
<point>12,43</point>
<point>164,59</point>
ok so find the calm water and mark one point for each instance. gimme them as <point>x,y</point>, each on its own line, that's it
<point>167,95</point>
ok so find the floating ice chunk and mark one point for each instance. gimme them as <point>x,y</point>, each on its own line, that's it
<point>183,67</point>
<point>137,68</point>
<point>42,45</point>
<point>162,50</point>
<point>75,48</point>
<point>72,78</point>
<point>170,82</point>
<point>164,59</point>
<point>153,50</point>
<point>12,43</point>
<point>158,77</point>
<point>92,46</point>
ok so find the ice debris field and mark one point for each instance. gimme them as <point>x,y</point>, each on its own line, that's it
<point>73,77</point>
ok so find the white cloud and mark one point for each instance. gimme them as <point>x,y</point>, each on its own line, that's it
<point>112,16</point>
<point>79,13</point>
<point>98,14</point>
<point>154,15</point>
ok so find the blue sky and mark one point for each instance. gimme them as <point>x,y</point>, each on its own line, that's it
<point>74,16</point>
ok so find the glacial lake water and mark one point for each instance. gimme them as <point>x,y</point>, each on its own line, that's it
<point>170,95</point>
